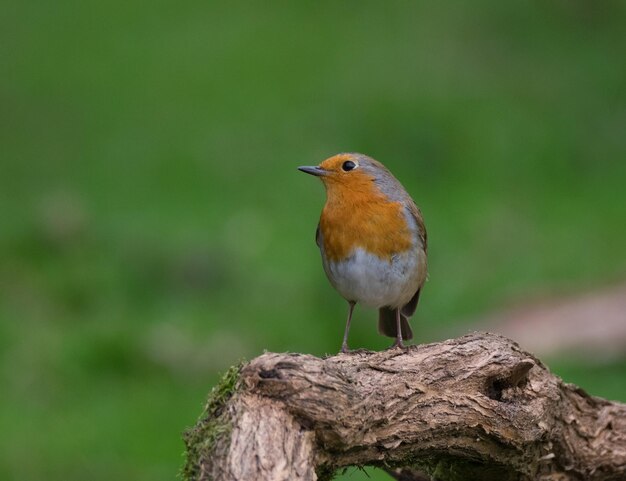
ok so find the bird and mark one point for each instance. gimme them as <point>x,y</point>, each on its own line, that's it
<point>372,240</point>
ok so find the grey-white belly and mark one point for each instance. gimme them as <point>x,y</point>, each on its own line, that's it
<point>375,282</point>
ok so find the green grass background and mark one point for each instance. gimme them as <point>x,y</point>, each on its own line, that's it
<point>154,229</point>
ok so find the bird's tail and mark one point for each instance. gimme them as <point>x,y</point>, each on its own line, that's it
<point>387,324</point>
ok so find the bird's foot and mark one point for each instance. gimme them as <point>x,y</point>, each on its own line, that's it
<point>398,345</point>
<point>345,349</point>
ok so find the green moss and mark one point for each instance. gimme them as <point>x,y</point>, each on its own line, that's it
<point>200,439</point>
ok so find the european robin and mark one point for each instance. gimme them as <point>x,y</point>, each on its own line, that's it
<point>373,241</point>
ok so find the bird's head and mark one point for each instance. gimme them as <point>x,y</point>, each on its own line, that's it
<point>347,171</point>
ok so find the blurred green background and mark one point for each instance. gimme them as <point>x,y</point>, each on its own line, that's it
<point>154,228</point>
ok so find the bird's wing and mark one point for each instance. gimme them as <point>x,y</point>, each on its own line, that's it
<point>318,241</point>
<point>419,220</point>
<point>409,308</point>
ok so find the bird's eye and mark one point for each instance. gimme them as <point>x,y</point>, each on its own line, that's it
<point>348,165</point>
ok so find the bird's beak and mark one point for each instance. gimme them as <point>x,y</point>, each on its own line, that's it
<point>313,170</point>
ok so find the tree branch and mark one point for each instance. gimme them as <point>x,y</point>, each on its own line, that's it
<point>477,407</point>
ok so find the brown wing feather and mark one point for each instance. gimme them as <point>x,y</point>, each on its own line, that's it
<point>419,220</point>
<point>409,309</point>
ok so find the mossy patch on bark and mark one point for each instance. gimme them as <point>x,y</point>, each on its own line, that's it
<point>200,439</point>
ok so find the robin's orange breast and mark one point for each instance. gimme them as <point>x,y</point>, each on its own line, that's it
<point>363,218</point>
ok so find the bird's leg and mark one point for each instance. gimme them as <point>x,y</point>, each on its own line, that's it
<point>344,345</point>
<point>398,342</point>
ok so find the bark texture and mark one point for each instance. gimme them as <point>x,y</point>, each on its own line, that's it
<point>473,408</point>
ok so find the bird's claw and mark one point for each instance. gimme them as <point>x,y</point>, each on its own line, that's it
<point>398,345</point>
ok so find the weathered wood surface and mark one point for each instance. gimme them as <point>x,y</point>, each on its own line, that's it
<point>473,408</point>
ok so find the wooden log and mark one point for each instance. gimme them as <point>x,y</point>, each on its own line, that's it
<point>473,408</point>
